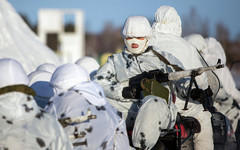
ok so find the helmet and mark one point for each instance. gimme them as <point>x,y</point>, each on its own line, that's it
<point>67,76</point>
<point>12,73</point>
<point>136,26</point>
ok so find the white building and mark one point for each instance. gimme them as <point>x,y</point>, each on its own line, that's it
<point>51,29</point>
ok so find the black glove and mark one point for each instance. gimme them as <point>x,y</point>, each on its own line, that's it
<point>131,92</point>
<point>195,93</point>
<point>162,77</point>
<point>201,95</point>
<point>159,75</point>
<point>135,81</point>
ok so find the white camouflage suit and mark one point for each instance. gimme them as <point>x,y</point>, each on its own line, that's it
<point>90,64</point>
<point>167,32</point>
<point>228,94</point>
<point>152,113</point>
<point>95,125</point>
<point>23,125</point>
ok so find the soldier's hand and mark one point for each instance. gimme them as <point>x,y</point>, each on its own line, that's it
<point>131,92</point>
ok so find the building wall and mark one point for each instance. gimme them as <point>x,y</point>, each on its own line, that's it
<point>70,45</point>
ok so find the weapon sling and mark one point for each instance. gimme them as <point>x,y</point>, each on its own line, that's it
<point>166,61</point>
<point>177,68</point>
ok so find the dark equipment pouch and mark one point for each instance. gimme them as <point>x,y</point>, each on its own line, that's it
<point>222,136</point>
<point>153,87</point>
<point>181,137</point>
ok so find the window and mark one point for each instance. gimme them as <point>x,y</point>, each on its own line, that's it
<point>69,23</point>
<point>52,41</point>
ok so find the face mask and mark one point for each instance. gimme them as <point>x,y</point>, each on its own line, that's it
<point>142,45</point>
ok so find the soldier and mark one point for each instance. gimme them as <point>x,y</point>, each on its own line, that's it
<point>167,32</point>
<point>145,114</point>
<point>23,125</point>
<point>80,105</point>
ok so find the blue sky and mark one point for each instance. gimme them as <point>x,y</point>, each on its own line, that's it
<point>98,12</point>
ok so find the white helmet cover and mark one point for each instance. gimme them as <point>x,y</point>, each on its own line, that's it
<point>49,67</point>
<point>67,76</point>
<point>90,64</point>
<point>197,40</point>
<point>167,20</point>
<point>136,26</point>
<point>12,73</point>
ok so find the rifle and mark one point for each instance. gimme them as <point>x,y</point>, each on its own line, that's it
<point>145,78</point>
<point>172,76</point>
<point>193,72</point>
<point>67,121</point>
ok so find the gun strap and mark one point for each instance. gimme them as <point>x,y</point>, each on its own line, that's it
<point>166,61</point>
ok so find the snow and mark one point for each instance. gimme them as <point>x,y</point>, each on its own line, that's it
<point>19,42</point>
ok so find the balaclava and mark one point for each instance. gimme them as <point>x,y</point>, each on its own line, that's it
<point>135,27</point>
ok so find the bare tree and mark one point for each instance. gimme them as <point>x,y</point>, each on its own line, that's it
<point>193,23</point>
<point>222,33</point>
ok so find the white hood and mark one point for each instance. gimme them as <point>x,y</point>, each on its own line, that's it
<point>167,20</point>
<point>12,73</point>
<point>136,26</point>
<point>92,92</point>
<point>68,76</point>
<point>39,75</point>
<point>214,51</point>
<point>197,41</point>
<point>74,77</point>
<point>15,106</point>
<point>90,64</point>
<point>19,42</point>
<point>47,67</point>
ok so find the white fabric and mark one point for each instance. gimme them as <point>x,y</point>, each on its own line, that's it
<point>171,42</point>
<point>228,91</point>
<point>196,40</point>
<point>204,140</point>
<point>167,37</point>
<point>142,45</point>
<point>114,76</point>
<point>67,76</point>
<point>200,44</point>
<point>106,131</point>
<point>224,104</point>
<point>12,73</point>
<point>150,118</point>
<point>91,91</point>
<point>209,47</point>
<point>19,42</point>
<point>214,51</point>
<point>47,67</point>
<point>39,75</point>
<point>167,20</point>
<point>136,26</point>
<point>75,77</point>
<point>40,83</point>
<point>24,126</point>
<point>228,82</point>
<point>90,64</point>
